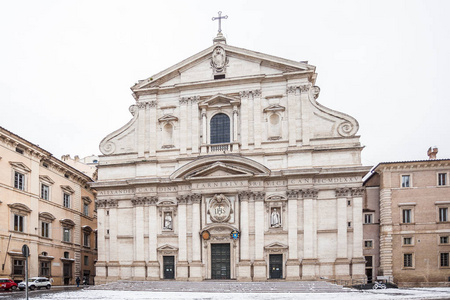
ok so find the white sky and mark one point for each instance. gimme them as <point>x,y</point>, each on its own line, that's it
<point>66,66</point>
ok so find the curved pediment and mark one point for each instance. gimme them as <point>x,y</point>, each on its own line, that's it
<point>220,166</point>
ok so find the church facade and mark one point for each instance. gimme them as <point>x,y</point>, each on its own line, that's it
<point>231,169</point>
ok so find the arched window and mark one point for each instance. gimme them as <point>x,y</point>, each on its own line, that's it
<point>220,129</point>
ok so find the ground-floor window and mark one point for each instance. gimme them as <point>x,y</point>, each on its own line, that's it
<point>44,270</point>
<point>18,267</point>
<point>445,259</point>
<point>407,260</point>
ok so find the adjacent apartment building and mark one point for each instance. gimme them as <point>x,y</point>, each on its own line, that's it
<point>49,206</point>
<point>406,221</point>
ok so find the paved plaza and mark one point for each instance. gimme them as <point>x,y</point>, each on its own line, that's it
<point>226,290</point>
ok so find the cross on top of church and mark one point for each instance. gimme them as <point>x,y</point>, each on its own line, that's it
<point>220,20</point>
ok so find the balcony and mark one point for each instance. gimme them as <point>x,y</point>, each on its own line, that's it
<point>220,148</point>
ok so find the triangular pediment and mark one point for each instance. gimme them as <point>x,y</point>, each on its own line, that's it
<point>68,189</point>
<point>46,179</point>
<point>20,165</point>
<point>168,118</point>
<point>218,101</point>
<point>274,107</point>
<point>239,62</point>
<point>219,170</point>
<point>167,247</point>
<point>276,245</point>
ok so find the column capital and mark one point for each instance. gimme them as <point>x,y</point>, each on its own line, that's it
<point>357,192</point>
<point>183,199</point>
<point>310,193</point>
<point>342,192</point>
<point>196,198</point>
<point>259,196</point>
<point>293,194</point>
<point>244,195</point>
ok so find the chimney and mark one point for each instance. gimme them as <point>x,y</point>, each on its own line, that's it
<point>432,151</point>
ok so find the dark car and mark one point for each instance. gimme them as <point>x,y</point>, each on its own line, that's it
<point>6,284</point>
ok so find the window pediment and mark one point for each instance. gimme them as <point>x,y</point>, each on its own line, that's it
<point>274,107</point>
<point>87,229</point>
<point>21,166</point>
<point>20,208</point>
<point>46,179</point>
<point>168,118</point>
<point>46,216</point>
<point>219,100</point>
<point>86,200</point>
<point>67,222</point>
<point>276,247</point>
<point>67,189</point>
<point>167,247</point>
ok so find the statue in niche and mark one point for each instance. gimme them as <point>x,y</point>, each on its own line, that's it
<point>275,220</point>
<point>168,221</point>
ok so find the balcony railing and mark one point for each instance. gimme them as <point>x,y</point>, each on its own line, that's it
<point>220,148</point>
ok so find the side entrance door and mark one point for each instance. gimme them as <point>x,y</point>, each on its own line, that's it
<point>220,261</point>
<point>169,266</point>
<point>276,266</point>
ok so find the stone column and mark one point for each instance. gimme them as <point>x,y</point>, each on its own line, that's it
<point>309,261</point>
<point>257,120</point>
<point>259,265</point>
<point>293,93</point>
<point>195,273</point>
<point>244,263</point>
<point>195,124</point>
<point>138,266</point>
<point>293,263</point>
<point>183,124</point>
<point>152,265</point>
<point>153,126</point>
<point>182,265</point>
<point>235,129</point>
<point>244,119</point>
<point>113,264</point>
<point>358,261</point>
<point>342,269</point>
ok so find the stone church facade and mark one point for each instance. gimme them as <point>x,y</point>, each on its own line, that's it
<point>231,169</point>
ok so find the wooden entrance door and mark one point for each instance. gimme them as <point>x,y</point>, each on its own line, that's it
<point>220,261</point>
<point>276,266</point>
<point>169,267</point>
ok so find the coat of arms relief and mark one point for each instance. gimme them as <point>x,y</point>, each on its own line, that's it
<point>219,60</point>
<point>220,209</point>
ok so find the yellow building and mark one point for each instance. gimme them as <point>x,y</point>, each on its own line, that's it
<point>49,206</point>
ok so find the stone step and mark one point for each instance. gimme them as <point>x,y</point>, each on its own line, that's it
<point>228,286</point>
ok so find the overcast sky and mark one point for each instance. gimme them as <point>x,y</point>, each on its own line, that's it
<point>66,67</point>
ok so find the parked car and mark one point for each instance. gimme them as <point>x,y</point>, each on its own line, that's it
<point>6,284</point>
<point>36,282</point>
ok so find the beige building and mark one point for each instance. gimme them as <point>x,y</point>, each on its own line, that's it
<point>49,206</point>
<point>231,169</point>
<point>414,201</point>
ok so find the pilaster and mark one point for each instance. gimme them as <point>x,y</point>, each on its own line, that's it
<point>309,261</point>
<point>260,265</point>
<point>196,264</point>
<point>244,120</point>
<point>293,95</point>
<point>183,124</point>
<point>293,263</point>
<point>244,273</point>
<point>152,265</point>
<point>342,263</point>
<point>153,124</point>
<point>182,265</point>
<point>305,113</point>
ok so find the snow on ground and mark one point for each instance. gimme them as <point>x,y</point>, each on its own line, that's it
<point>415,293</point>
